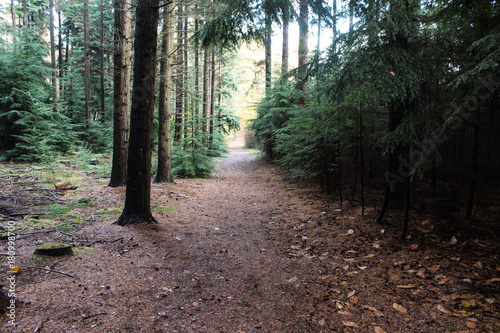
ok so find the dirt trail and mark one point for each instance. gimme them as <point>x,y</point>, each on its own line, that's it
<point>211,265</point>
<point>251,250</point>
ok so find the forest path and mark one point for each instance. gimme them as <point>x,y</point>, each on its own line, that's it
<point>228,262</point>
<point>217,262</point>
<point>251,250</point>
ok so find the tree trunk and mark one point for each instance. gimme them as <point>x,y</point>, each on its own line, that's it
<point>138,194</point>
<point>196,103</point>
<point>206,96</point>
<point>60,56</point>
<point>212,99</point>
<point>121,94</point>
<point>268,60</point>
<point>101,41</point>
<point>86,60</point>
<point>13,16</point>
<point>53,54</point>
<point>164,172</point>
<point>179,87</point>
<point>284,55</point>
<point>303,46</point>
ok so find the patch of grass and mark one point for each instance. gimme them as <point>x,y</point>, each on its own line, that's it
<point>156,208</point>
<point>82,249</point>
<point>68,228</point>
<point>58,210</point>
<point>39,223</point>
<point>109,211</point>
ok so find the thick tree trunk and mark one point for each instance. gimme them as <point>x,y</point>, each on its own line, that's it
<point>86,60</point>
<point>121,95</point>
<point>164,172</point>
<point>138,194</point>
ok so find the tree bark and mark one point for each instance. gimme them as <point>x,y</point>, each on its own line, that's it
<point>212,99</point>
<point>284,54</point>
<point>101,42</point>
<point>268,50</point>
<point>206,95</point>
<point>13,16</point>
<point>179,87</point>
<point>121,94</point>
<point>138,193</point>
<point>86,60</point>
<point>53,64</point>
<point>303,46</point>
<point>164,172</point>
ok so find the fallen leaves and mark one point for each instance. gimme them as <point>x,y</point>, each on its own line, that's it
<point>350,324</point>
<point>399,308</point>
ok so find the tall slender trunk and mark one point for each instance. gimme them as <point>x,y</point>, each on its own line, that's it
<point>212,99</point>
<point>60,56</point>
<point>268,50</point>
<point>164,172</point>
<point>206,95</point>
<point>53,64</point>
<point>303,46</point>
<point>179,87</point>
<point>13,16</point>
<point>138,193</point>
<point>196,101</point>
<point>101,41</point>
<point>284,55</point>
<point>86,60</point>
<point>121,93</point>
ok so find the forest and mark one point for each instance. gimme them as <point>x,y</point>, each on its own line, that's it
<point>381,115</point>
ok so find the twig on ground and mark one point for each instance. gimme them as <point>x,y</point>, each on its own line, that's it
<point>44,269</point>
<point>93,315</point>
<point>38,326</point>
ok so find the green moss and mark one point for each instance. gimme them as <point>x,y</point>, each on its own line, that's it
<point>82,249</point>
<point>156,208</point>
<point>66,228</point>
<point>109,211</point>
<point>48,246</point>
<point>39,223</point>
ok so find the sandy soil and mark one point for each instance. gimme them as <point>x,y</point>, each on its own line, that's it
<point>252,250</point>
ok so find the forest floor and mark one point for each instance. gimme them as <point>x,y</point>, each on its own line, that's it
<point>248,250</point>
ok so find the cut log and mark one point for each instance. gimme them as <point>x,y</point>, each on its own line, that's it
<point>64,185</point>
<point>54,249</point>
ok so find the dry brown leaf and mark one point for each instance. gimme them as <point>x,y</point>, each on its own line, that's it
<point>443,309</point>
<point>371,308</point>
<point>478,265</point>
<point>322,322</point>
<point>421,273</point>
<point>399,308</point>
<point>490,281</point>
<point>368,256</point>
<point>351,294</point>
<point>350,324</point>
<point>413,247</point>
<point>378,329</point>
